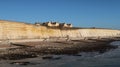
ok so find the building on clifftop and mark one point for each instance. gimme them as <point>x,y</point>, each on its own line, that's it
<point>54,24</point>
<point>65,25</point>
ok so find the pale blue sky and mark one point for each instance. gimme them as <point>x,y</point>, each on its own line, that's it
<point>82,13</point>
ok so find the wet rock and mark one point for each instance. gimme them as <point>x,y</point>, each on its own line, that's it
<point>47,57</point>
<point>51,58</point>
<point>20,63</point>
<point>23,63</point>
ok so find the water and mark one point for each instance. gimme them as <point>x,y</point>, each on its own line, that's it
<point>110,58</point>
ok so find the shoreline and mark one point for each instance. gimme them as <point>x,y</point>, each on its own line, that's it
<point>22,50</point>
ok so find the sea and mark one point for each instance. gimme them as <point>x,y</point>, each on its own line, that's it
<point>110,58</point>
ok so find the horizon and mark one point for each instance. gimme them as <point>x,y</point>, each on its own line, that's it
<point>80,13</point>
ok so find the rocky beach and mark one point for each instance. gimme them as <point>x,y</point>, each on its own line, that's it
<point>26,49</point>
<point>94,54</point>
<point>51,41</point>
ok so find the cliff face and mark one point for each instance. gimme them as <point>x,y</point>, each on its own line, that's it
<point>17,30</point>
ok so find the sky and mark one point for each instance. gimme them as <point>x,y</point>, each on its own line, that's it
<point>81,13</point>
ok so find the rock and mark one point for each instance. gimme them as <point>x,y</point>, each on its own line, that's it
<point>20,63</point>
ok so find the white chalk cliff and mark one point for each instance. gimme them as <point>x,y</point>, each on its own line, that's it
<point>20,30</point>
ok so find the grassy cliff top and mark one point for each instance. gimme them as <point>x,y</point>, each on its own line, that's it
<point>63,28</point>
